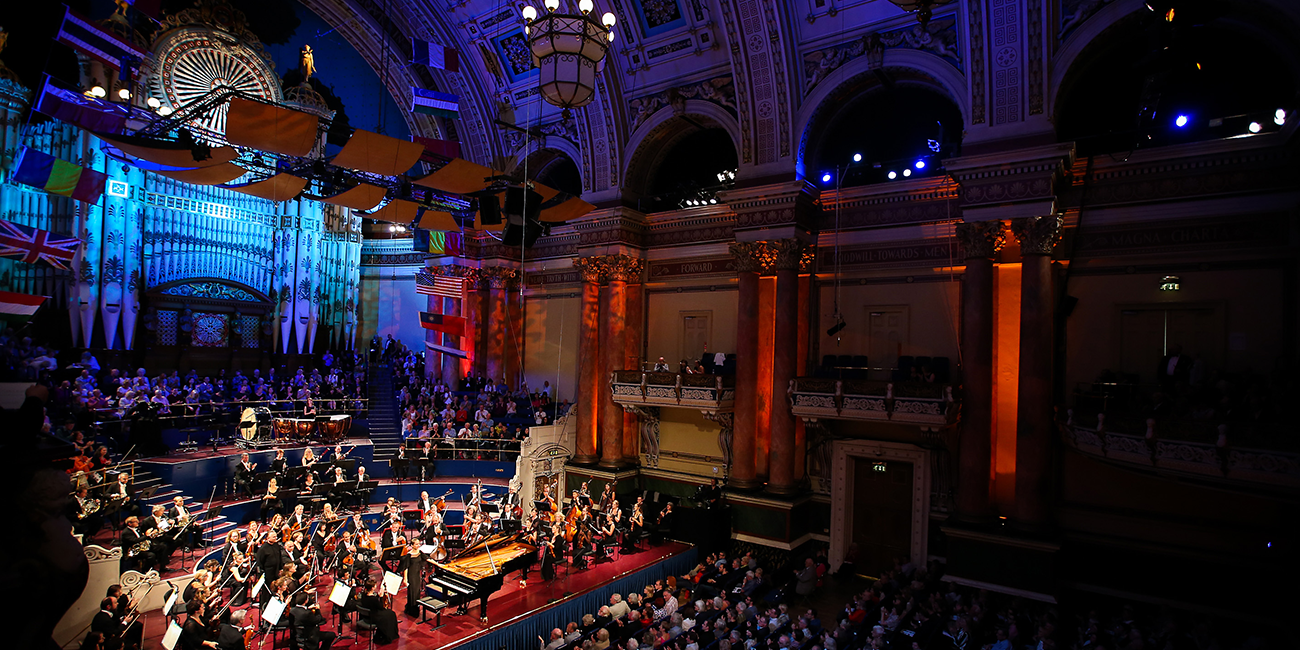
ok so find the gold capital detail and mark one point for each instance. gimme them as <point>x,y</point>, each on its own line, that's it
<point>499,277</point>
<point>1037,235</point>
<point>766,257</point>
<point>981,238</point>
<point>604,268</point>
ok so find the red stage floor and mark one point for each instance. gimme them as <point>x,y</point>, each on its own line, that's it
<point>507,606</point>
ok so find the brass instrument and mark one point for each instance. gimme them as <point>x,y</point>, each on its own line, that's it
<point>141,547</point>
<point>89,507</point>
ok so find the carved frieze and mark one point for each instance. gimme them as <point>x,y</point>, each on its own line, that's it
<point>939,37</point>
<point>718,90</point>
<point>605,268</point>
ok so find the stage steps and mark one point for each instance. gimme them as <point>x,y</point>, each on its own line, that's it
<point>385,420</point>
<point>214,531</point>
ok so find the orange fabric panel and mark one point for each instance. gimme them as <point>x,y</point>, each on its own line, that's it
<point>171,157</point>
<point>437,220</point>
<point>571,209</point>
<point>362,197</point>
<point>459,176</point>
<point>547,193</point>
<point>270,128</point>
<point>280,187</point>
<point>380,154</point>
<point>214,175</point>
<point>397,211</point>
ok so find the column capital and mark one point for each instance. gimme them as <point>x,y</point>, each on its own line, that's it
<point>1037,235</point>
<point>981,238</point>
<point>749,255</point>
<point>787,254</point>
<point>604,268</point>
<point>498,277</point>
<point>767,257</point>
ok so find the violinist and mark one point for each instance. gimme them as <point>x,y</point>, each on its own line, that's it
<point>241,574</point>
<point>306,619</point>
<point>380,606</point>
<point>232,635</point>
<point>251,538</point>
<point>298,521</point>
<point>280,463</point>
<point>393,544</point>
<point>195,631</point>
<point>271,502</point>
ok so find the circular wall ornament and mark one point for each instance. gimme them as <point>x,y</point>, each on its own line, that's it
<point>191,62</point>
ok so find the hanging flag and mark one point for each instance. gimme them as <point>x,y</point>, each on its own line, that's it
<point>437,242</point>
<point>428,284</point>
<point>18,306</point>
<point>85,37</point>
<point>447,350</point>
<point>435,56</point>
<point>447,324</point>
<point>149,8</point>
<point>48,173</point>
<point>79,109</point>
<point>435,149</point>
<point>34,245</point>
<point>432,102</point>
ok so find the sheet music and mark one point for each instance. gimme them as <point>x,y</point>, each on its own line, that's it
<point>257,588</point>
<point>171,600</point>
<point>172,635</point>
<point>339,594</point>
<point>392,582</point>
<point>273,611</point>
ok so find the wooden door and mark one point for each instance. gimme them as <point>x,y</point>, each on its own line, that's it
<point>696,329</point>
<point>882,513</point>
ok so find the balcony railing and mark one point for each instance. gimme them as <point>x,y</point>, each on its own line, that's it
<point>881,401</point>
<point>709,393</point>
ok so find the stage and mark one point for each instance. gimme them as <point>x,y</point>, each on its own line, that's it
<point>516,615</point>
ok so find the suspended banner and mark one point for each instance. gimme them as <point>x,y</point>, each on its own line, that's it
<point>432,102</point>
<point>438,221</point>
<point>168,153</point>
<point>79,109</point>
<point>34,245</point>
<point>362,197</point>
<point>570,209</point>
<point>378,154</point>
<point>61,177</point>
<point>460,354</point>
<point>18,307</point>
<point>85,37</point>
<point>280,187</point>
<point>214,175</point>
<point>438,243</point>
<point>446,286</point>
<point>445,323</point>
<point>270,128</point>
<point>434,55</point>
<point>459,176</point>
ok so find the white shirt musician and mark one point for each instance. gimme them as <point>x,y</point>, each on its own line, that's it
<point>425,503</point>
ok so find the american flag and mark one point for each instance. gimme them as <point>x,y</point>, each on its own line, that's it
<point>428,284</point>
<point>34,245</point>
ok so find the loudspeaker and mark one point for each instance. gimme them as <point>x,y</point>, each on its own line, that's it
<point>489,210</point>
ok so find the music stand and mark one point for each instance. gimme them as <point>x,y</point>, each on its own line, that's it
<point>364,488</point>
<point>403,464</point>
<point>295,473</point>
<point>349,465</point>
<point>344,490</point>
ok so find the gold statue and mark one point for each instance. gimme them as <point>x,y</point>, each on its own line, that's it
<point>306,63</point>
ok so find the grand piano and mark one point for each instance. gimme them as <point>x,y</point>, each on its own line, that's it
<point>476,572</point>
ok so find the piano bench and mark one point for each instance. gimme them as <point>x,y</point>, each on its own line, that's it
<point>428,604</point>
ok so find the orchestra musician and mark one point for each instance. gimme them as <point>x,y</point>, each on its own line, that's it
<point>512,505</point>
<point>270,556</point>
<point>230,636</point>
<point>244,475</point>
<point>189,533</point>
<point>306,620</point>
<point>636,522</point>
<point>415,562</point>
<point>195,631</point>
<point>131,630</point>
<point>393,544</point>
<point>308,458</point>
<point>424,503</point>
<point>280,463</point>
<point>298,521</point>
<point>119,494</point>
<point>271,503</point>
<point>154,526</point>
<point>240,569</point>
<point>607,497</point>
<point>663,524</point>
<point>88,520</point>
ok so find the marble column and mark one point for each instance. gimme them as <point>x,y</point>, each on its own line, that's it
<point>749,262</point>
<point>633,338</point>
<point>450,364</point>
<point>981,241</point>
<point>474,326</point>
<point>587,394</point>
<point>1034,426</point>
<point>498,280</point>
<point>785,360</point>
<point>613,311</point>
<point>433,359</point>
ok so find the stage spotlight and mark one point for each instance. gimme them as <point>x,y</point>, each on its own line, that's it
<point>826,178</point>
<point>124,93</point>
<point>98,91</point>
<point>712,201</point>
<point>857,157</point>
<point>907,172</point>
<point>1279,116</point>
<point>920,164</point>
<point>893,175</point>
<point>836,328</point>
<point>1180,121</point>
<point>153,103</point>
<point>1254,127</point>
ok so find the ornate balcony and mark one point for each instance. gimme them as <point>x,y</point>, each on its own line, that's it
<point>709,394</point>
<point>1219,461</point>
<point>928,405</point>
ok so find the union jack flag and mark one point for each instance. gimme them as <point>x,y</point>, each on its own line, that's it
<point>34,245</point>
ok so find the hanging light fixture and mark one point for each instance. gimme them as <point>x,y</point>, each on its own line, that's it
<point>922,8</point>
<point>568,50</point>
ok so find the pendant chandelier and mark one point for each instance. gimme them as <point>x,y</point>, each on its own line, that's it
<point>568,50</point>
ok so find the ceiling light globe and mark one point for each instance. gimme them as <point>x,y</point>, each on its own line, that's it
<point>608,19</point>
<point>529,12</point>
<point>585,6</point>
<point>552,5</point>
<point>98,91</point>
<point>124,93</point>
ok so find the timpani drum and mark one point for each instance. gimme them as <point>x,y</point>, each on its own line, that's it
<point>335,428</point>
<point>284,429</point>
<point>304,429</point>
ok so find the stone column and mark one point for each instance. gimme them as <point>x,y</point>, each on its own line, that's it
<point>589,363</point>
<point>785,360</point>
<point>1034,426</point>
<point>433,359</point>
<point>633,337</point>
<point>981,241</point>
<point>450,364</point>
<point>473,310</point>
<point>749,262</point>
<point>498,281</point>
<point>613,311</point>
